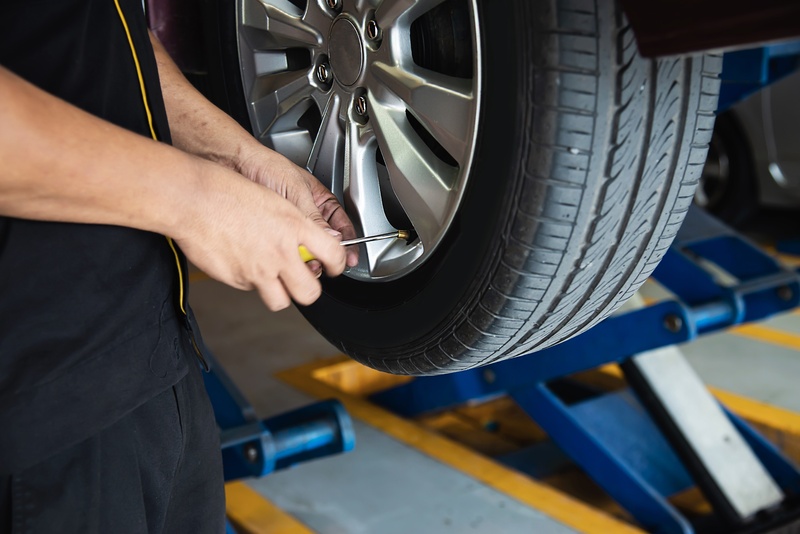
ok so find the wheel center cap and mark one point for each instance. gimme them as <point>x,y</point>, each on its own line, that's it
<point>345,52</point>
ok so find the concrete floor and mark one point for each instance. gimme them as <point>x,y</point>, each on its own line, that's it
<point>385,486</point>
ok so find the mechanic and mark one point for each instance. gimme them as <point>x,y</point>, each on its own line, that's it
<point>104,422</point>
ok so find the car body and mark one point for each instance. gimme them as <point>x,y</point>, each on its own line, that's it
<point>753,162</point>
<point>770,121</point>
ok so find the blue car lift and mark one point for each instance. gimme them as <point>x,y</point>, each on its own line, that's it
<point>746,71</point>
<point>667,434</point>
<point>253,447</point>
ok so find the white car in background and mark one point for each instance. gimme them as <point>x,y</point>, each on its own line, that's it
<point>754,156</point>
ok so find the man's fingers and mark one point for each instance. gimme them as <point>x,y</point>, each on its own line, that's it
<point>274,295</point>
<point>351,256</point>
<point>316,217</point>
<point>323,208</point>
<point>338,226</point>
<point>326,249</point>
<point>303,286</point>
<point>334,213</point>
<point>305,203</point>
<point>315,267</point>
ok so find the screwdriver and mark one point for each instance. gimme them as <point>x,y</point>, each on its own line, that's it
<point>306,255</point>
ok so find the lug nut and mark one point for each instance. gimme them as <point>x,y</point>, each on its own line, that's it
<point>373,30</point>
<point>333,4</point>
<point>323,73</point>
<point>361,105</point>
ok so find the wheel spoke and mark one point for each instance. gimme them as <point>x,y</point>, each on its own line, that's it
<point>362,190</point>
<point>326,160</point>
<point>421,181</point>
<point>443,104</point>
<point>269,62</point>
<point>282,21</point>
<point>293,143</point>
<point>274,95</point>
<point>391,12</point>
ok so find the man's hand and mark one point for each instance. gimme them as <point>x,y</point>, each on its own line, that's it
<point>270,169</point>
<point>247,236</point>
<point>200,128</point>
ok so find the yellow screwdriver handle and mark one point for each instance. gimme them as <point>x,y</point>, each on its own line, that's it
<point>305,254</point>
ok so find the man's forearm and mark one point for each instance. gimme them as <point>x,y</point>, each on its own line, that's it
<point>197,125</point>
<point>60,163</point>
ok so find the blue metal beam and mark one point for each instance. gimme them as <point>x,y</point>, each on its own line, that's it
<point>746,71</point>
<point>255,448</point>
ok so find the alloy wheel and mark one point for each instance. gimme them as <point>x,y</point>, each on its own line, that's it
<point>716,178</point>
<point>379,100</point>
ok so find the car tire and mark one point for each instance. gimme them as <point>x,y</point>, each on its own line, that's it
<point>585,162</point>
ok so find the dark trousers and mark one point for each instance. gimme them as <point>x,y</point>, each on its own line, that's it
<point>156,470</point>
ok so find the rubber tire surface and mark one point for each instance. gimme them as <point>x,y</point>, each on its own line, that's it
<point>586,163</point>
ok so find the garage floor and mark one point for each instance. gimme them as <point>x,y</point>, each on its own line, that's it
<point>389,487</point>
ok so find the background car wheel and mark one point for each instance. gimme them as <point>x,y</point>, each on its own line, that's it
<point>545,165</point>
<point>728,186</point>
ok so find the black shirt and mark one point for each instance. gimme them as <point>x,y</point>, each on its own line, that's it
<point>90,324</point>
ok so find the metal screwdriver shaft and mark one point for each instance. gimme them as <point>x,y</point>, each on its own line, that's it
<point>306,255</point>
<point>400,234</point>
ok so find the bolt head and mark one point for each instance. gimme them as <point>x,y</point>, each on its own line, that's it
<point>251,453</point>
<point>361,105</point>
<point>373,30</point>
<point>323,73</point>
<point>333,4</point>
<point>673,323</point>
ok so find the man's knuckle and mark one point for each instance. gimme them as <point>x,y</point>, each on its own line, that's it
<point>308,295</point>
<point>278,303</point>
<point>315,292</point>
